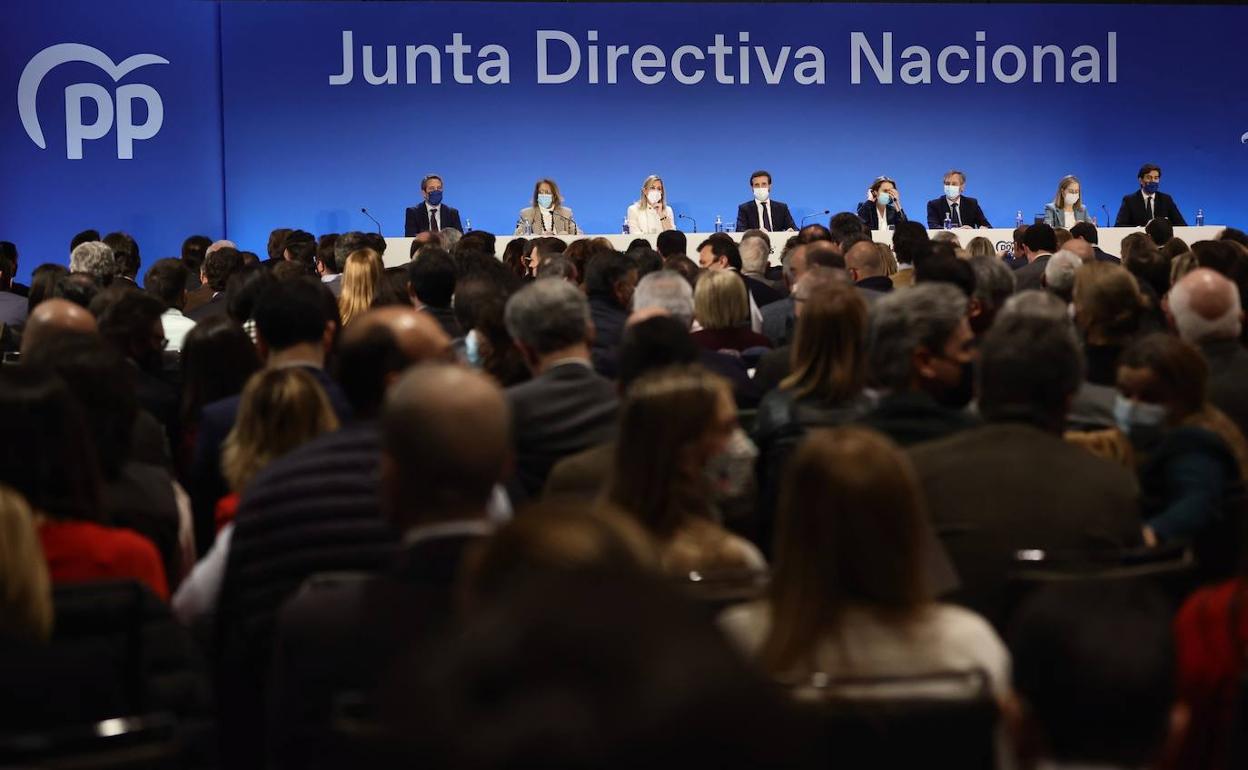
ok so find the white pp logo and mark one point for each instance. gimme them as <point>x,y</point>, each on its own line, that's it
<point>75,132</point>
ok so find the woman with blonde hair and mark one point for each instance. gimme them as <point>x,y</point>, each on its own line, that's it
<point>847,597</point>
<point>26,590</point>
<point>721,306</point>
<point>1067,207</point>
<point>980,246</point>
<point>650,213</point>
<point>679,450</point>
<point>361,280</point>
<point>280,410</point>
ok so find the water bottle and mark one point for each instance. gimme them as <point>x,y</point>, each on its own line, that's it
<point>624,228</point>
<point>719,224</point>
<point>1018,218</point>
<point>948,222</point>
<point>525,226</point>
<point>467,225</point>
<point>1200,217</point>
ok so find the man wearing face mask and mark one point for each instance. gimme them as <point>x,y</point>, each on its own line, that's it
<point>431,215</point>
<point>1148,203</point>
<point>962,212</point>
<point>920,355</point>
<point>762,213</point>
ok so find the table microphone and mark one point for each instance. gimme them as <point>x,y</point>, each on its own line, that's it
<point>576,229</point>
<point>364,211</point>
<point>1106,215</point>
<point>691,219</point>
<point>816,214</point>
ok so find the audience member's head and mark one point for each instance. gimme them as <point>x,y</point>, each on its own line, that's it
<point>1204,306</point>
<point>293,316</point>
<point>244,288</point>
<point>946,268</point>
<point>1085,231</point>
<point>94,258</point>
<point>431,278</point>
<point>217,358</point>
<point>1086,698</point>
<point>994,283</point>
<point>129,320</point>
<point>910,242</point>
<point>828,356</point>
<point>849,495</point>
<point>361,277</point>
<point>843,224</point>
<point>755,253</point>
<point>1039,239</point>
<point>26,598</point>
<point>611,275</point>
<point>1059,273</point>
<point>348,244</point>
<point>653,344</point>
<point>827,254</point>
<point>1081,249</point>
<point>668,291</point>
<point>1146,263</point>
<point>280,410</point>
<point>672,243</point>
<point>166,281</point>
<point>1222,256</point>
<point>1160,230</point>
<point>720,300</point>
<point>446,443</point>
<point>83,237</point>
<point>375,350</point>
<point>1031,381</point>
<point>125,252</point>
<point>219,265</point>
<point>1061,235</point>
<point>862,260</point>
<point>43,284</point>
<point>979,246</point>
<point>277,243</point>
<point>546,318</point>
<point>79,288</point>
<point>1107,304</point>
<point>326,264</point>
<point>719,254</point>
<point>52,318</point>
<point>1165,371</point>
<point>193,249</point>
<point>919,340</point>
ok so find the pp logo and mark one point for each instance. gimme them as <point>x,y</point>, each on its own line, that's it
<point>123,111</point>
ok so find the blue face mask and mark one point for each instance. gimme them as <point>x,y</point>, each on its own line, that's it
<point>1139,421</point>
<point>1152,187</point>
<point>884,198</point>
<point>435,197</point>
<point>545,199</point>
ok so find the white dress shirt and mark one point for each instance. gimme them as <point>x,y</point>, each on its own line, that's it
<point>176,327</point>
<point>646,221</point>
<point>1068,219</point>
<point>1149,204</point>
<point>770,214</point>
<point>432,211</point>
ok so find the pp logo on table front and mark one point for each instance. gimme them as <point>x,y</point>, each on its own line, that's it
<point>115,107</point>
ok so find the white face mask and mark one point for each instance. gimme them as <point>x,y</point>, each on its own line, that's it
<point>952,191</point>
<point>1071,198</point>
<point>761,194</point>
<point>732,469</point>
<point>654,196</point>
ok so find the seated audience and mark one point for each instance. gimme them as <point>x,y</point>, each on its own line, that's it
<point>610,280</point>
<point>1108,310</point>
<point>42,283</point>
<point>994,284</point>
<point>25,589</point>
<point>1039,242</point>
<point>755,250</point>
<point>279,410</point>
<point>479,305</point>
<point>866,269</point>
<point>361,279</point>
<point>53,318</point>
<point>1084,697</point>
<point>1059,274</point>
<point>1086,232</point>
<point>566,407</point>
<point>1190,456</point>
<point>217,359</point>
<point>679,450</point>
<point>130,321</point>
<point>220,262</point>
<point>43,456</point>
<point>834,607</point>
<point>986,493</point>
<point>13,306</point>
<point>721,307</point>
<point>166,280</point>
<point>444,446</point>
<point>920,357</point>
<point>1204,308</point>
<point>94,258</point>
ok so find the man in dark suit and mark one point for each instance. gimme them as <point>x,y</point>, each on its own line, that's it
<point>1148,203</point>
<point>763,213</point>
<point>1039,243</point>
<point>431,214</point>
<point>444,447</point>
<point>962,211</point>
<point>866,268</point>
<point>566,407</point>
<point>1087,231</point>
<point>610,280</point>
<point>431,287</point>
<point>1013,484</point>
<point>214,274</point>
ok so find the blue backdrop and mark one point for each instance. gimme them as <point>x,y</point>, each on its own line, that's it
<point>256,134</point>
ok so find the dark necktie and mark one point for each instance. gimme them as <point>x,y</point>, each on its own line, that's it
<point>766,218</point>
<point>433,220</point>
<point>957,221</point>
<point>1149,202</point>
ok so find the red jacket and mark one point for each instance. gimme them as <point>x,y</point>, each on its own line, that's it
<point>81,552</point>
<point>1211,652</point>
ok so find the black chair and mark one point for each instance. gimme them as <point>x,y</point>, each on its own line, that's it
<point>716,591</point>
<point>150,742</point>
<point>943,719</point>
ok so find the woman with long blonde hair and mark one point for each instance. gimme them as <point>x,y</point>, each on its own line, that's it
<point>361,280</point>
<point>25,588</point>
<point>650,213</point>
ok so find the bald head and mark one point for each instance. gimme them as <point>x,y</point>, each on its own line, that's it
<point>446,443</point>
<point>1204,305</point>
<point>1080,248</point>
<point>379,345</point>
<point>52,318</point>
<point>864,258</point>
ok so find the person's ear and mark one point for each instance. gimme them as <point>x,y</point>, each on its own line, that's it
<point>327,337</point>
<point>974,308</point>
<point>921,363</point>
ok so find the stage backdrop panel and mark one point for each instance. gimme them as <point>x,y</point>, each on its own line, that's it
<point>126,99</point>
<point>233,118</point>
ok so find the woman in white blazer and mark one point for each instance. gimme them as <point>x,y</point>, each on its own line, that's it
<point>546,215</point>
<point>651,214</point>
<point>1067,207</point>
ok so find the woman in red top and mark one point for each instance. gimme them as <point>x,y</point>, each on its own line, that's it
<point>44,455</point>
<point>1211,634</point>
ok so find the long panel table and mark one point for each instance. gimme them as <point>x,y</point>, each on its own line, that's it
<point>397,249</point>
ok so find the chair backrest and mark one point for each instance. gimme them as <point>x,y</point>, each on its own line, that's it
<point>718,590</point>
<point>941,719</point>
